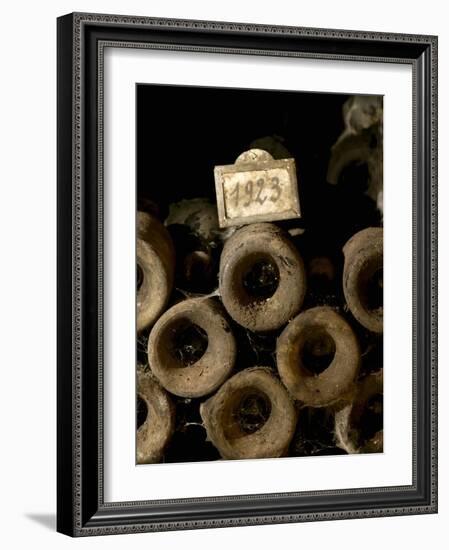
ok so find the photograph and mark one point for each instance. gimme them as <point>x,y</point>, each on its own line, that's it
<point>224,218</point>
<point>247,289</point>
<point>259,273</point>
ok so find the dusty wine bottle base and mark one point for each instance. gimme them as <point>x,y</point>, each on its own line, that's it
<point>358,425</point>
<point>191,349</point>
<point>251,416</point>
<point>262,279</point>
<point>363,277</point>
<point>361,144</point>
<point>318,357</point>
<point>158,423</point>
<point>155,269</point>
<point>199,215</point>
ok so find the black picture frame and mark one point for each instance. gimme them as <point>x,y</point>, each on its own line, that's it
<point>81,509</point>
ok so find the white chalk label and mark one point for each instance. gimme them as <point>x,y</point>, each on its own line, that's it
<point>251,192</point>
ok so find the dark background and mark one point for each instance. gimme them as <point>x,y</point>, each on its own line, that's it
<point>184,131</point>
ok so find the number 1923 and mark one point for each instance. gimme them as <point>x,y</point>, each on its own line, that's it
<point>257,191</point>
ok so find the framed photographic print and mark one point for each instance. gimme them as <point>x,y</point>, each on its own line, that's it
<point>247,293</point>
